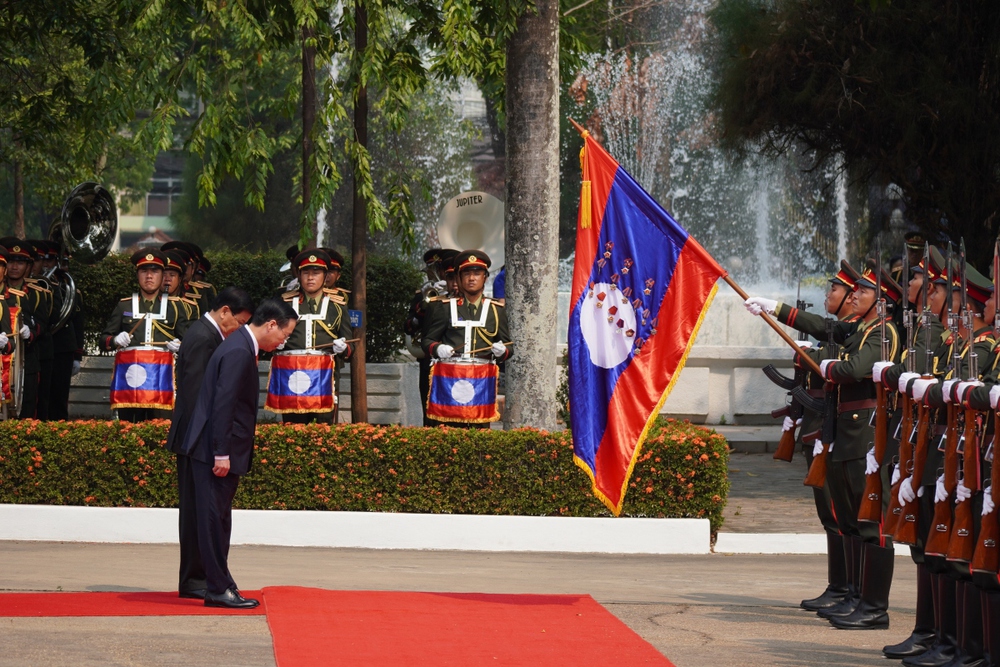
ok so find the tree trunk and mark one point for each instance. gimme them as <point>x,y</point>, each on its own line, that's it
<point>359,236</point>
<point>308,120</point>
<point>532,216</point>
<point>18,200</point>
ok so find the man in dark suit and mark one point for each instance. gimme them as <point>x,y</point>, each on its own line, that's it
<point>231,309</point>
<point>220,437</point>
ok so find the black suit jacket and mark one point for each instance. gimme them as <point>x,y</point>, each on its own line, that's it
<point>225,413</point>
<point>200,341</point>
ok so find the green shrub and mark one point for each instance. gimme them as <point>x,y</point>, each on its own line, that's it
<point>391,283</point>
<point>362,467</point>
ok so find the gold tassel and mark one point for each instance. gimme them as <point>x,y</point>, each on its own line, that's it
<point>585,205</point>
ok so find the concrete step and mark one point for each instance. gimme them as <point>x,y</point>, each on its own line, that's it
<point>750,439</point>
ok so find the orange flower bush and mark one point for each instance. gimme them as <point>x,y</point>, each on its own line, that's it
<point>681,470</point>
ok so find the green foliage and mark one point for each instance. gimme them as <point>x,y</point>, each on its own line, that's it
<point>391,283</point>
<point>907,93</point>
<point>682,471</point>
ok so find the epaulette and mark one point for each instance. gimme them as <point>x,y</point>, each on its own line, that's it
<point>128,298</point>
<point>193,295</point>
<point>16,292</point>
<point>290,296</point>
<point>946,337</point>
<point>38,288</point>
<point>499,302</point>
<point>983,337</point>
<point>338,290</point>
<point>339,300</point>
<point>198,283</point>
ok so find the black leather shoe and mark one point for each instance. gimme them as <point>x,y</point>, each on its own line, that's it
<point>830,598</point>
<point>938,656</point>
<point>963,660</point>
<point>845,608</point>
<point>917,643</point>
<point>194,594</point>
<point>865,617</point>
<point>230,599</point>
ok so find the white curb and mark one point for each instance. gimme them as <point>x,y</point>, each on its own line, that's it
<point>780,543</point>
<point>369,530</point>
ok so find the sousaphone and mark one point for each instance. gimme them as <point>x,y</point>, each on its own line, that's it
<point>474,221</point>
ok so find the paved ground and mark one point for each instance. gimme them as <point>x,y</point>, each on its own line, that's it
<point>713,610</point>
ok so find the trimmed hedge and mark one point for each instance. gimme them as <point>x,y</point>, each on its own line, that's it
<point>682,471</point>
<point>391,284</point>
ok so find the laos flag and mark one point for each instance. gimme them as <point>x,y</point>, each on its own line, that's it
<point>300,383</point>
<point>641,286</point>
<point>143,378</point>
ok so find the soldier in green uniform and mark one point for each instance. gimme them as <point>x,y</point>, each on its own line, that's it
<point>869,559</point>
<point>161,328</point>
<point>206,289</point>
<point>838,303</point>
<point>7,338</point>
<point>34,312</point>
<point>173,272</point>
<point>51,305</point>
<point>445,335</point>
<point>932,631</point>
<point>323,323</point>
<point>67,340</point>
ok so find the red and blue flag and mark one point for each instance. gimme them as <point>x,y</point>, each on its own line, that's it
<point>143,378</point>
<point>300,383</point>
<point>463,392</point>
<point>641,287</point>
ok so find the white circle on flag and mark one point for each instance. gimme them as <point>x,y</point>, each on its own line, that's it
<point>463,392</point>
<point>299,382</point>
<point>605,324</point>
<point>135,376</point>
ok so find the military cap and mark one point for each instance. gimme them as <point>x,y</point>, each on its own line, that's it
<point>893,292</point>
<point>3,256</point>
<point>977,286</point>
<point>939,268</point>
<point>188,250</point>
<point>914,240</point>
<point>17,249</point>
<point>41,249</point>
<point>468,259</point>
<point>175,260</point>
<point>204,266</point>
<point>54,248</point>
<point>847,276</point>
<point>934,270</point>
<point>149,257</point>
<point>313,257</point>
<point>432,256</point>
<point>291,252</point>
<point>336,259</point>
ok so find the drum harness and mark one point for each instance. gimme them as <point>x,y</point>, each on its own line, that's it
<point>469,325</point>
<point>150,316</point>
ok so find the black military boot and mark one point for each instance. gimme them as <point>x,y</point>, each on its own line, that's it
<point>836,573</point>
<point>945,647</point>
<point>853,556</point>
<point>872,611</point>
<point>922,637</point>
<point>969,627</point>
<point>991,625</point>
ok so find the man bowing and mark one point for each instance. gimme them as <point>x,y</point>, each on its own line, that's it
<point>220,440</point>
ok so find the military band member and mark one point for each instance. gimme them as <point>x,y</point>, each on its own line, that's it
<point>199,267</point>
<point>163,328</point>
<point>336,269</point>
<point>173,273</point>
<point>33,315</point>
<point>67,340</point>
<point>445,337</point>
<point>323,322</point>
<point>7,338</point>
<point>51,304</point>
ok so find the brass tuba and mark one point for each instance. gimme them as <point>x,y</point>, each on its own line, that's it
<point>87,230</point>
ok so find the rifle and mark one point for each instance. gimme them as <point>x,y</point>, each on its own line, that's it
<point>906,430</point>
<point>871,500</point>
<point>906,527</point>
<point>816,477</point>
<point>786,445</point>
<point>941,532</point>
<point>986,557</point>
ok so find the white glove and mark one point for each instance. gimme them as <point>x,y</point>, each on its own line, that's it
<point>904,380</point>
<point>292,285</point>
<point>879,368</point>
<point>920,386</point>
<point>788,424</point>
<point>962,493</point>
<point>339,345</point>
<point>498,349</point>
<point>756,305</point>
<point>988,505</point>
<point>946,388</point>
<point>123,339</point>
<point>906,494</point>
<point>940,493</point>
<point>281,346</point>
<point>3,340</point>
<point>174,345</point>
<point>441,287</point>
<point>994,395</point>
<point>964,387</point>
<point>76,368</point>
<point>445,351</point>
<point>871,467</point>
<point>804,344</point>
<point>25,332</point>
<point>824,365</point>
<point>895,475</point>
<point>817,447</point>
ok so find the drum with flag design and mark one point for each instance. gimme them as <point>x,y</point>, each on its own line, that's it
<point>464,391</point>
<point>300,381</point>
<point>143,377</point>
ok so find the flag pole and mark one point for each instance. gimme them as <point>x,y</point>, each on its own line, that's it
<point>807,360</point>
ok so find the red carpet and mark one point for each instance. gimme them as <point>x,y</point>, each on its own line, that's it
<point>311,626</point>
<point>111,604</point>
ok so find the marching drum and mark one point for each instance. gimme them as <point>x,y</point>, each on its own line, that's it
<point>143,377</point>
<point>464,390</point>
<point>301,381</point>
